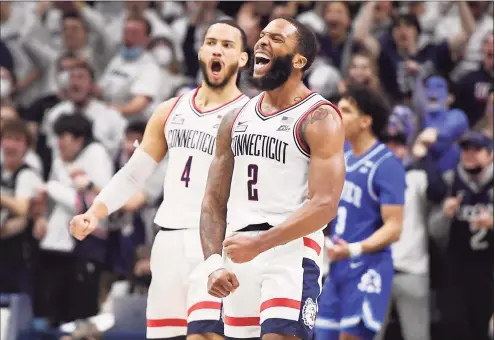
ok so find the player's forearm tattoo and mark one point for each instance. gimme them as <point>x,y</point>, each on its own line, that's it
<point>213,222</point>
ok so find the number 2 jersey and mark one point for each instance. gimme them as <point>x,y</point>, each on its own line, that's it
<point>191,135</point>
<point>270,178</point>
<point>467,245</point>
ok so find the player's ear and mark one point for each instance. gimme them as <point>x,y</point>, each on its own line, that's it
<point>243,59</point>
<point>366,121</point>
<point>299,61</point>
<point>199,52</point>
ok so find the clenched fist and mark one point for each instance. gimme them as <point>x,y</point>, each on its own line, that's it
<point>83,225</point>
<point>221,283</point>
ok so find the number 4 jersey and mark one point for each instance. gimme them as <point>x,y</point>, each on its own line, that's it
<point>270,179</point>
<point>191,135</point>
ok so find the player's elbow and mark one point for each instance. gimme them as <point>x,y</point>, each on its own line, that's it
<point>395,231</point>
<point>328,207</point>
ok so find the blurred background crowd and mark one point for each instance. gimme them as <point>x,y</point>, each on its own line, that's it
<point>78,80</point>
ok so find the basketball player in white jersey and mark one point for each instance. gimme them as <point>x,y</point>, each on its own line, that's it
<point>279,163</point>
<point>185,127</point>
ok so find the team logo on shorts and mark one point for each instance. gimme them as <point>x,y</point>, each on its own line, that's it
<point>309,313</point>
<point>371,282</point>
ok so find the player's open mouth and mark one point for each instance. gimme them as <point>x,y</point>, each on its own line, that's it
<point>216,67</point>
<point>261,60</point>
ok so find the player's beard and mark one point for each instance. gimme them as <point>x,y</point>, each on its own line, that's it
<point>229,73</point>
<point>276,76</point>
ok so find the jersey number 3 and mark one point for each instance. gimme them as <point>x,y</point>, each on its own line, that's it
<point>253,180</point>
<point>186,173</point>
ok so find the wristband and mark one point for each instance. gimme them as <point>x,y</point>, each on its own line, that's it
<point>213,263</point>
<point>355,249</point>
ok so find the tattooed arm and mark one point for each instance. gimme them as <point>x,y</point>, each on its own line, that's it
<point>213,223</point>
<point>324,137</point>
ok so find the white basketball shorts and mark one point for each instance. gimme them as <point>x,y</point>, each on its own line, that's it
<point>278,291</point>
<point>178,300</point>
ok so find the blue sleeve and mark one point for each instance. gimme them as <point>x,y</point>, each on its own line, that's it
<point>389,182</point>
<point>452,128</point>
<point>437,189</point>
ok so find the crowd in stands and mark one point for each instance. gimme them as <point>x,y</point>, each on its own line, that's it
<point>79,79</point>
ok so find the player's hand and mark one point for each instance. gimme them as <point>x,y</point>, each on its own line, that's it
<point>484,220</point>
<point>221,283</point>
<point>451,205</point>
<point>241,248</point>
<point>40,228</point>
<point>83,225</point>
<point>339,250</point>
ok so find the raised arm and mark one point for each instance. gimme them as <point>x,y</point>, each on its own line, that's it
<point>131,177</point>
<point>324,135</point>
<point>362,30</point>
<point>213,223</point>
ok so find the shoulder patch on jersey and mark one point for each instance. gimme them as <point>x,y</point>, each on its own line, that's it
<point>309,313</point>
<point>283,128</point>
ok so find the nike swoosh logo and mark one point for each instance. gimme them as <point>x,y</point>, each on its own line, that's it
<point>242,123</point>
<point>356,265</point>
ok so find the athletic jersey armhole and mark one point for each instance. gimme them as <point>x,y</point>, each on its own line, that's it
<point>298,135</point>
<point>171,110</point>
<point>371,192</point>
<point>236,116</point>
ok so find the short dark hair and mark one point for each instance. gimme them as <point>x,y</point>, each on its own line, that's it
<point>137,126</point>
<point>234,24</point>
<point>75,16</point>
<point>307,43</point>
<point>370,103</point>
<point>147,25</point>
<point>75,124</point>
<point>17,127</point>
<point>407,18</point>
<point>83,64</point>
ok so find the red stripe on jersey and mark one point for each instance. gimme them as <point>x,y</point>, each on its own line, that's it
<point>280,302</point>
<point>241,322</point>
<point>305,115</point>
<point>166,323</point>
<point>312,244</point>
<point>282,109</point>
<point>193,100</point>
<point>204,305</point>
<point>171,110</point>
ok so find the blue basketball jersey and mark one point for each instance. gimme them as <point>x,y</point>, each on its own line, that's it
<point>373,179</point>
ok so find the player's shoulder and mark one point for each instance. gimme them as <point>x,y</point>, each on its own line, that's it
<point>384,160</point>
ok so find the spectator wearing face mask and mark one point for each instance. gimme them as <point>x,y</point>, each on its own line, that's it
<point>70,270</point>
<point>466,296</point>
<point>163,52</point>
<point>400,53</point>
<point>473,90</point>
<point>108,124</point>
<point>131,80</point>
<point>18,186</point>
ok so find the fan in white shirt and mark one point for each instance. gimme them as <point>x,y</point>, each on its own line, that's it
<point>108,124</point>
<point>131,80</point>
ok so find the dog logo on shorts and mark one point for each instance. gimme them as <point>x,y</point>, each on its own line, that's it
<point>309,313</point>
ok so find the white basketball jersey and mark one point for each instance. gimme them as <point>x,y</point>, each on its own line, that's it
<point>270,179</point>
<point>190,135</point>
